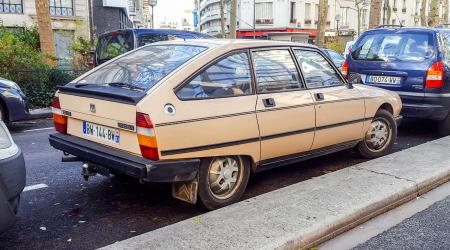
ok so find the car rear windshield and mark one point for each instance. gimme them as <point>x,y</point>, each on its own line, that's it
<point>144,67</point>
<point>402,46</point>
<point>114,44</point>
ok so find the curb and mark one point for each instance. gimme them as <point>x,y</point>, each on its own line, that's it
<point>303,215</point>
<point>40,113</point>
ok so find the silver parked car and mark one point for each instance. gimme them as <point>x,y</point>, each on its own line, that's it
<point>12,178</point>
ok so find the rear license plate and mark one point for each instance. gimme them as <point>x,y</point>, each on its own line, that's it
<point>384,79</point>
<point>101,132</point>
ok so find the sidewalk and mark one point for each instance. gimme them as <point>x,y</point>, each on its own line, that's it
<point>305,214</point>
<point>40,113</point>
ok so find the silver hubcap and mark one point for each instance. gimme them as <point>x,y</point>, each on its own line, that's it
<point>224,176</point>
<point>379,134</point>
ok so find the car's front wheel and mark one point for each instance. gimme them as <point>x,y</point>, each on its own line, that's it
<point>380,137</point>
<point>222,180</point>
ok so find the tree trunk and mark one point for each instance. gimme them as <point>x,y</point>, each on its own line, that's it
<point>323,13</point>
<point>388,12</point>
<point>375,13</point>
<point>45,30</point>
<point>433,15</point>
<point>233,19</point>
<point>222,19</point>
<point>423,13</point>
<point>445,12</point>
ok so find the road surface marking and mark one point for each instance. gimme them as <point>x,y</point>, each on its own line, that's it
<point>38,129</point>
<point>34,187</point>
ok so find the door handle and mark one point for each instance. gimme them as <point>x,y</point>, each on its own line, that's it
<point>319,96</point>
<point>269,102</point>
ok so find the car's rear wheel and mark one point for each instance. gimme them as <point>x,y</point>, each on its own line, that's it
<point>222,180</point>
<point>444,126</point>
<point>380,137</point>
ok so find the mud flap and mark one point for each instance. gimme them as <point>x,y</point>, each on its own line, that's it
<point>186,190</point>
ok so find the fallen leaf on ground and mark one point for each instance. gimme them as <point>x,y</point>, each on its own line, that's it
<point>74,212</point>
<point>43,228</point>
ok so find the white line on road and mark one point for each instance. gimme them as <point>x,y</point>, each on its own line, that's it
<point>34,187</point>
<point>38,129</point>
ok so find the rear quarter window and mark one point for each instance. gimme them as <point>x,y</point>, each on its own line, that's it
<point>394,46</point>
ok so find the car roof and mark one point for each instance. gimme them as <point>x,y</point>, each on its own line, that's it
<point>234,43</point>
<point>142,31</point>
<point>426,29</point>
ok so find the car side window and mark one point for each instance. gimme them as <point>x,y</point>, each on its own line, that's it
<point>275,71</point>
<point>228,77</point>
<point>316,70</point>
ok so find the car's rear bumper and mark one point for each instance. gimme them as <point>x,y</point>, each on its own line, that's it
<point>12,182</point>
<point>427,106</point>
<point>118,161</point>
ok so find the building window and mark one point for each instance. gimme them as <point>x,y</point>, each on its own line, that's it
<point>264,13</point>
<point>364,18</point>
<point>131,6</point>
<point>317,13</point>
<point>292,13</point>
<point>61,7</point>
<point>11,6</point>
<point>307,13</point>
<point>417,7</point>
<point>344,16</point>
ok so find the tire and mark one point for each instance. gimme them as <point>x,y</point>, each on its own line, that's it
<point>380,138</point>
<point>444,126</point>
<point>2,114</point>
<point>218,172</point>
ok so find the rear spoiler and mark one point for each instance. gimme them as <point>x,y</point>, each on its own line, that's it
<point>104,92</point>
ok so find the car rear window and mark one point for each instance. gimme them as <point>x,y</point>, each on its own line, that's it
<point>402,46</point>
<point>114,44</point>
<point>144,67</point>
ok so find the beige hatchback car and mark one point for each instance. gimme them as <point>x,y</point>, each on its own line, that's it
<point>205,114</point>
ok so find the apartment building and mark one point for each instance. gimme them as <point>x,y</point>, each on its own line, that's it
<point>139,13</point>
<point>70,19</point>
<point>260,17</point>
<point>108,15</point>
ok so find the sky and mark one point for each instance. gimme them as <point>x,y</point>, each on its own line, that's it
<point>171,10</point>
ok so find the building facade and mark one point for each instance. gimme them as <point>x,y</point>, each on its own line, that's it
<point>109,15</point>
<point>258,17</point>
<point>70,19</point>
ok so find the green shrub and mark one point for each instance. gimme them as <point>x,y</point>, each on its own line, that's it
<point>22,62</point>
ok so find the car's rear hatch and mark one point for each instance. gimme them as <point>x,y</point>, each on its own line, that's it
<point>109,122</point>
<point>394,59</point>
<point>101,105</point>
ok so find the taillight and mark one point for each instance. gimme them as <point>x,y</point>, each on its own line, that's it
<point>146,137</point>
<point>435,76</point>
<point>59,119</point>
<point>344,69</point>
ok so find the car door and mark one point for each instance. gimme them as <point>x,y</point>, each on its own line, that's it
<point>215,112</point>
<point>285,109</point>
<point>340,110</point>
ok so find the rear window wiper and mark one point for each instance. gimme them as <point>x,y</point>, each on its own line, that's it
<point>125,85</point>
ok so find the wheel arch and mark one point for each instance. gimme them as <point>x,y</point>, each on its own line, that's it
<point>4,108</point>
<point>388,107</point>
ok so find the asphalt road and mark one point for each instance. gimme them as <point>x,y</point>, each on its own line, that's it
<point>428,229</point>
<point>74,214</point>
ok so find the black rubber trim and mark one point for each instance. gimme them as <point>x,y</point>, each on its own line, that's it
<point>204,119</point>
<point>252,112</point>
<point>207,147</point>
<point>124,163</point>
<point>249,140</point>
<point>289,159</point>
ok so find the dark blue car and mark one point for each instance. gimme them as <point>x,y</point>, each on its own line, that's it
<point>414,62</point>
<point>115,43</point>
<point>13,103</point>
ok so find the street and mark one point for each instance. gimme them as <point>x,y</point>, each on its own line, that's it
<point>74,214</point>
